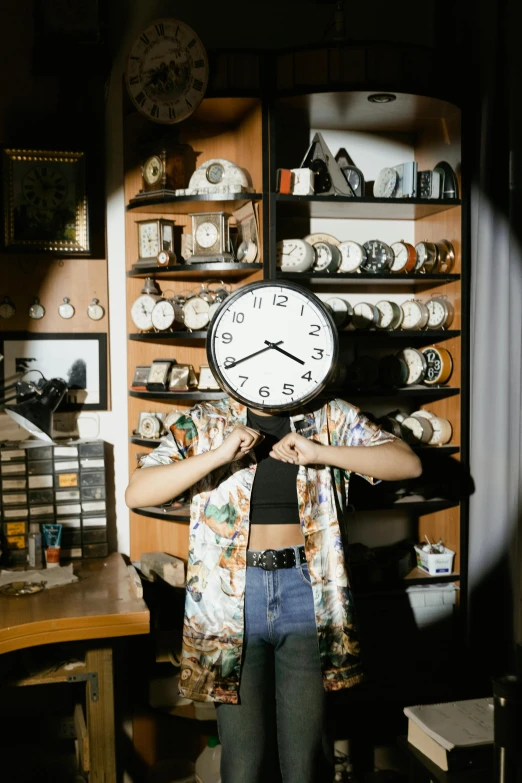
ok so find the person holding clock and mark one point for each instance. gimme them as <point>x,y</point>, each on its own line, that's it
<point>269,620</point>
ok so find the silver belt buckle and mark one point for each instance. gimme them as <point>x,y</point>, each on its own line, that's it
<point>262,560</point>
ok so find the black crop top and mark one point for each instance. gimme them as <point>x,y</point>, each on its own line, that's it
<point>274,494</point>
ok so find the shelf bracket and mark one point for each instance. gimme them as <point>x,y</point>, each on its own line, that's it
<point>91,677</point>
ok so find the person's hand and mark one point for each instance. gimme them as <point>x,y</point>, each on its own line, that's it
<point>297,450</point>
<point>240,441</point>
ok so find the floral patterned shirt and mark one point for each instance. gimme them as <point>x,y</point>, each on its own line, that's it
<point>219,531</point>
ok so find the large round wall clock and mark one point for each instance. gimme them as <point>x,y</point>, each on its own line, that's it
<point>272,345</point>
<point>167,71</point>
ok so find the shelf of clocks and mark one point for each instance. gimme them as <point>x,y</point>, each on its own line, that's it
<point>365,208</point>
<point>367,278</point>
<point>229,269</point>
<point>183,205</point>
<point>355,334</point>
<point>425,392</point>
<point>423,451</point>
<point>177,396</point>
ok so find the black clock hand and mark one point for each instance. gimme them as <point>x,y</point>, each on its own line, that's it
<point>270,345</point>
<point>291,356</point>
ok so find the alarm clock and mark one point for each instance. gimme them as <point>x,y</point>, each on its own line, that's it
<point>341,311</point>
<point>365,315</point>
<point>353,256</point>
<point>415,315</point>
<point>440,313</point>
<point>405,257</point>
<point>439,365</point>
<point>295,255</point>
<point>272,346</point>
<point>416,363</point>
<point>141,310</point>
<point>327,257</point>
<point>391,315</point>
<point>379,257</point>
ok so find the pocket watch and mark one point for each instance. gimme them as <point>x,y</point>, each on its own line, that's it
<point>141,310</point>
<point>95,311</point>
<point>365,315</point>
<point>341,311</point>
<point>379,256</point>
<point>391,315</point>
<point>445,256</point>
<point>36,310</point>
<point>417,430</point>
<point>415,315</point>
<point>393,371</point>
<point>295,255</point>
<point>405,257</point>
<point>66,310</point>
<point>440,313</point>
<point>327,257</point>
<point>196,313</point>
<point>439,364</point>
<point>353,256</point>
<point>427,257</point>
<point>7,308</point>
<point>166,258</point>
<point>416,362</point>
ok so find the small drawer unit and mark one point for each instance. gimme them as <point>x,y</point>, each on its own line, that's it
<point>63,482</point>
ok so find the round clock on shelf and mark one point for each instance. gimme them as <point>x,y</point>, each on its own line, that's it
<point>441,313</point>
<point>353,256</point>
<point>272,345</point>
<point>416,363</point>
<point>142,307</point>
<point>167,71</point>
<point>379,257</point>
<point>391,315</point>
<point>439,364</point>
<point>405,257</point>
<point>295,255</point>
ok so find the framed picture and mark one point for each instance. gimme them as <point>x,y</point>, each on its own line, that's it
<point>45,203</point>
<point>80,359</point>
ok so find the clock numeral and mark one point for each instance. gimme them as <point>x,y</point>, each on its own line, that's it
<point>177,31</point>
<point>141,98</point>
<point>245,379</point>
<point>188,103</point>
<point>307,376</point>
<point>197,84</point>
<point>144,39</point>
<point>264,391</point>
<point>134,80</point>
<point>282,303</point>
<point>238,317</point>
<point>191,43</point>
<point>320,351</point>
<point>172,113</point>
<point>228,361</point>
<point>288,388</point>
<point>302,309</point>
<point>226,337</point>
<point>160,29</point>
<point>257,303</point>
<point>316,332</point>
<point>199,63</point>
<point>154,112</point>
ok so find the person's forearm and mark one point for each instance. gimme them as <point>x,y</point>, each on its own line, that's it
<point>161,483</point>
<point>390,461</point>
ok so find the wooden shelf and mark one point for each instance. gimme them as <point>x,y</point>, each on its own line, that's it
<point>434,451</point>
<point>150,442</point>
<point>229,269</point>
<point>182,205</point>
<point>418,508</point>
<point>366,208</point>
<point>365,278</point>
<point>418,576</point>
<point>177,396</point>
<point>172,515</point>
<point>427,392</point>
<point>171,337</point>
<point>400,334</point>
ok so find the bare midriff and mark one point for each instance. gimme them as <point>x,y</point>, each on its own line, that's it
<point>274,536</point>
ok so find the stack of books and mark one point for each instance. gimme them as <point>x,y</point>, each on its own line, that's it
<point>455,735</point>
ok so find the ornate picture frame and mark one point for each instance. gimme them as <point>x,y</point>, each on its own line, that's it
<point>45,202</point>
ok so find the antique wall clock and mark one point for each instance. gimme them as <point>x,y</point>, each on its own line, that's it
<point>272,345</point>
<point>167,71</point>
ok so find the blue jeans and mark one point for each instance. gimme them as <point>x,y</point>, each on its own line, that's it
<point>277,731</point>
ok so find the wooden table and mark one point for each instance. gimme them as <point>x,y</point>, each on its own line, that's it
<point>101,605</point>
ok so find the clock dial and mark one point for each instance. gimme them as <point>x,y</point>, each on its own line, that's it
<point>439,365</point>
<point>404,257</point>
<point>167,71</point>
<point>153,170</point>
<point>385,183</point>
<point>341,310</point>
<point>365,315</point>
<point>416,364</point>
<point>327,257</point>
<point>353,256</point>
<point>295,255</point>
<point>207,234</point>
<point>390,315</point>
<point>36,310</point>
<point>149,240</point>
<point>7,308</point>
<point>379,256</point>
<point>415,315</point>
<point>272,345</point>
<point>196,313</point>
<point>44,187</point>
<point>162,315</point>
<point>141,311</point>
<point>215,173</point>
<point>95,311</point>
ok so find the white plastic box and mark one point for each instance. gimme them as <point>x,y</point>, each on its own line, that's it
<point>435,565</point>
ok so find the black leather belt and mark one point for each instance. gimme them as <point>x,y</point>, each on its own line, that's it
<point>271,559</point>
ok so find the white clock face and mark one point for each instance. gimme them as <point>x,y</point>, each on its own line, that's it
<point>412,316</point>
<point>141,312</point>
<point>352,256</point>
<point>167,71</point>
<point>149,240</point>
<point>390,314</point>
<point>400,257</point>
<point>295,255</point>
<point>272,345</point>
<point>162,315</point>
<point>196,313</point>
<point>207,234</point>
<point>416,365</point>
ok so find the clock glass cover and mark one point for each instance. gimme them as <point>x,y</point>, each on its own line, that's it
<point>272,345</point>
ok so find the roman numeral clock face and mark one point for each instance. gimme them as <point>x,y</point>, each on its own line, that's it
<point>272,345</point>
<point>167,71</point>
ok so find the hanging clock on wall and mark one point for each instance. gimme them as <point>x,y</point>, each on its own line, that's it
<point>167,71</point>
<point>272,345</point>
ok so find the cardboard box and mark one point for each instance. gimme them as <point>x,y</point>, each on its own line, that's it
<point>435,565</point>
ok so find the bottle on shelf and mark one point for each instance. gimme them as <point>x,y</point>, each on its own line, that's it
<point>34,543</point>
<point>208,762</point>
